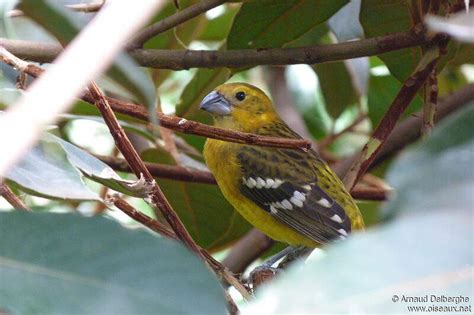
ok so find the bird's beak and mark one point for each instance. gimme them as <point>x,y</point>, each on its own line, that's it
<point>215,103</point>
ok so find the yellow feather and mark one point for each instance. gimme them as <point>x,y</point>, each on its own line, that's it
<point>250,115</point>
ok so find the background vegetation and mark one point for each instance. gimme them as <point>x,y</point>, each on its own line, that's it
<point>383,90</point>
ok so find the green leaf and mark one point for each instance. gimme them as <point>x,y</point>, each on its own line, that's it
<point>204,81</point>
<point>269,24</point>
<point>211,220</point>
<point>125,71</point>
<point>68,264</point>
<point>331,75</point>
<point>382,17</point>
<point>414,255</point>
<point>46,171</point>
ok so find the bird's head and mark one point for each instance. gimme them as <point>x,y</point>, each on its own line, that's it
<point>239,106</point>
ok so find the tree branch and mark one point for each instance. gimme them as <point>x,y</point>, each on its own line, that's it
<point>164,171</point>
<point>182,124</point>
<point>174,20</point>
<point>138,216</point>
<point>12,199</point>
<point>385,127</point>
<point>246,250</point>
<point>185,59</point>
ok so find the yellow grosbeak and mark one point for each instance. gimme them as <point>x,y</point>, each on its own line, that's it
<point>290,195</point>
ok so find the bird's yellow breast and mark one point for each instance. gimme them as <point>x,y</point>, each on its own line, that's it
<point>221,159</point>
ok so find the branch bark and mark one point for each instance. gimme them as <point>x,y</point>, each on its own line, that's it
<point>185,59</point>
<point>12,199</point>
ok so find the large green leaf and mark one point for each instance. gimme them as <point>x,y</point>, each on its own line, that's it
<point>269,23</point>
<point>125,71</point>
<point>426,251</point>
<point>67,264</point>
<point>207,215</point>
<point>334,75</point>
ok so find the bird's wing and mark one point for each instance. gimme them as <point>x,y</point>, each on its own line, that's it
<point>284,183</point>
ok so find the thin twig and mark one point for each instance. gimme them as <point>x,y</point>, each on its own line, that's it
<point>430,104</point>
<point>400,103</point>
<point>155,196</point>
<point>12,199</point>
<point>185,59</point>
<point>182,124</point>
<point>138,216</point>
<point>174,20</point>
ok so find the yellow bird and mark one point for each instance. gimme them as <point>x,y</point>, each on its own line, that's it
<point>290,195</point>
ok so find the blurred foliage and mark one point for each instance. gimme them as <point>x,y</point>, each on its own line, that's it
<point>329,97</point>
<point>78,269</point>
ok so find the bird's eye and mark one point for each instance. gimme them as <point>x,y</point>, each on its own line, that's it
<point>240,96</point>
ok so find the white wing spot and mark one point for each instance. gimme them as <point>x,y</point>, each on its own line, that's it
<point>299,196</point>
<point>251,183</point>
<point>273,209</point>
<point>277,183</point>
<point>269,183</point>
<point>297,202</point>
<point>278,204</point>
<point>343,232</point>
<point>307,187</point>
<point>260,183</point>
<point>336,218</point>
<point>324,202</point>
<point>286,204</point>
